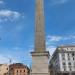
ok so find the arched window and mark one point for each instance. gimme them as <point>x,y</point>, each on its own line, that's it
<point>17,71</point>
<point>24,70</point>
<point>20,70</point>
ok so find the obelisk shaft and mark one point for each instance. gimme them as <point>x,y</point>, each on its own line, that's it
<point>39,32</point>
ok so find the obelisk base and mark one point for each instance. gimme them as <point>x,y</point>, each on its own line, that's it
<point>40,64</point>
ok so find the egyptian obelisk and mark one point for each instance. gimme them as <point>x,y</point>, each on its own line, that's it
<point>40,56</point>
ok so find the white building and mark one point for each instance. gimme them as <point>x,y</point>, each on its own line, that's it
<point>63,61</point>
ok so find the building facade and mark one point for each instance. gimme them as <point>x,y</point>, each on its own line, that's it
<point>18,69</point>
<point>4,68</point>
<point>63,61</point>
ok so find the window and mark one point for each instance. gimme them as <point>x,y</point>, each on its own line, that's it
<point>11,68</point>
<point>70,69</point>
<point>17,70</point>
<point>63,58</point>
<point>24,70</point>
<point>64,69</point>
<point>64,63</point>
<point>63,54</point>
<point>72,54</point>
<point>69,63</point>
<point>20,71</point>
<point>68,54</point>
<point>7,68</point>
<point>68,58</point>
<point>73,58</point>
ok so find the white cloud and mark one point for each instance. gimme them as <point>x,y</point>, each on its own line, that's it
<point>9,15</point>
<point>54,2</point>
<point>54,38</point>
<point>70,37</point>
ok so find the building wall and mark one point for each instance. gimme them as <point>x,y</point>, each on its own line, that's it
<point>3,69</point>
<point>19,69</point>
<point>69,61</point>
<point>67,68</point>
<point>63,60</point>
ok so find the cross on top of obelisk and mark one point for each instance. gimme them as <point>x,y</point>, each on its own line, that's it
<point>39,32</point>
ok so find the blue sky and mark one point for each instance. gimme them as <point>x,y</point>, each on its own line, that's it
<point>17,23</point>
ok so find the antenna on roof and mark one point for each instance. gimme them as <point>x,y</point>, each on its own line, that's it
<point>10,61</point>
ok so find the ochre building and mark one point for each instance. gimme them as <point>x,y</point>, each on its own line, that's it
<point>18,69</point>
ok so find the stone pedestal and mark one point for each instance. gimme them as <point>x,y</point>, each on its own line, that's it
<point>40,64</point>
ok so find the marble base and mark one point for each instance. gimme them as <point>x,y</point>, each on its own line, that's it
<point>40,64</point>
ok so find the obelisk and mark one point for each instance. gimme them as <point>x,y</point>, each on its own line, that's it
<point>40,56</point>
<point>39,28</point>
